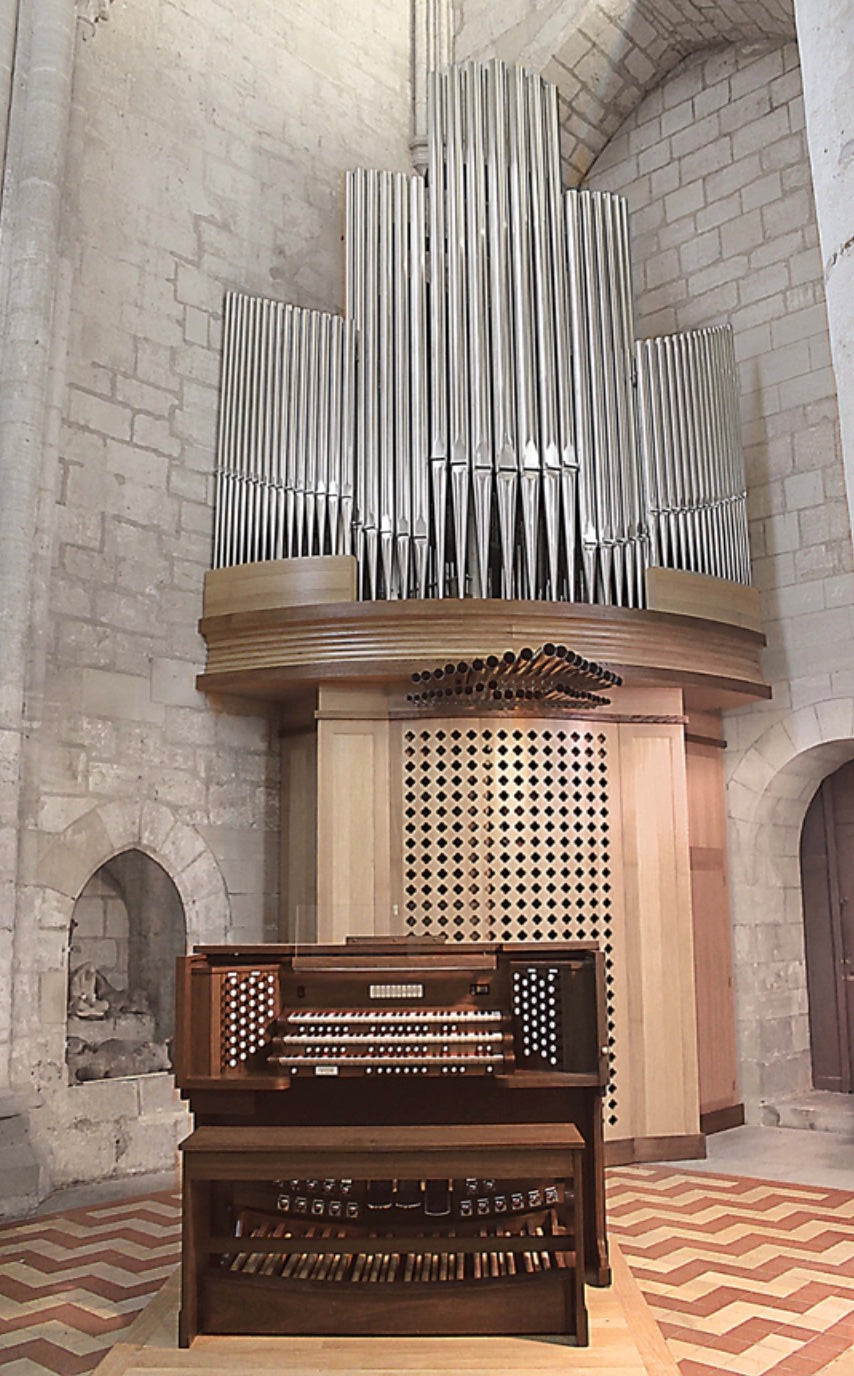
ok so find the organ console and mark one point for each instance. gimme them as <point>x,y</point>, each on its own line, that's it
<point>392,1136</point>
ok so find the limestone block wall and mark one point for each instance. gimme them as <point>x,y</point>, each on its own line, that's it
<point>206,148</point>
<point>715,167</point>
<point>605,55</point>
<point>100,932</point>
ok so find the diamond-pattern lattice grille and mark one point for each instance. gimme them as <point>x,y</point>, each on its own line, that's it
<point>506,837</point>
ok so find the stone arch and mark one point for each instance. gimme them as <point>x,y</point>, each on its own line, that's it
<point>606,55</point>
<point>54,872</point>
<point>128,928</point>
<point>768,793</point>
<point>95,838</point>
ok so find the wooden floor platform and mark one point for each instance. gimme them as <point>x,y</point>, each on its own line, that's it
<point>625,1340</point>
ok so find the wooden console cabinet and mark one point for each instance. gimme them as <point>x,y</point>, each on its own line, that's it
<point>396,1271</point>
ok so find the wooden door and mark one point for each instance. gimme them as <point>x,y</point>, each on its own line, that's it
<point>827,876</point>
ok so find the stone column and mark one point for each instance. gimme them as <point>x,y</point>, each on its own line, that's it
<point>826,42</point>
<point>37,132</point>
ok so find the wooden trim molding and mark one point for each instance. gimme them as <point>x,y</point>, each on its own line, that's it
<point>713,742</point>
<point>721,1119</point>
<point>637,1151</point>
<point>266,652</point>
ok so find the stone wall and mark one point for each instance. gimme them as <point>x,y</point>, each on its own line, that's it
<point>715,168</point>
<point>206,149</point>
<point>100,930</point>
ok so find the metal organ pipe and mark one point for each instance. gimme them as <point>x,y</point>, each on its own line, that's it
<point>482,421</point>
<point>691,452</point>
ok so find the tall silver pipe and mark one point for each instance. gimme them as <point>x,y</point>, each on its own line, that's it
<point>611,459</point>
<point>458,358</point>
<point>356,241</point>
<point>313,435</point>
<point>439,252</point>
<point>247,438</point>
<point>275,356</point>
<point>369,346</point>
<point>581,388</point>
<point>600,473</point>
<point>480,449</point>
<point>527,437</point>
<point>401,512</point>
<point>386,383</point>
<point>633,468</point>
<point>334,451</point>
<point>419,374</point>
<point>321,482</point>
<point>292,432</point>
<point>226,414</point>
<point>648,448</point>
<point>348,437</point>
<point>563,376</point>
<point>502,353</point>
<point>544,325</point>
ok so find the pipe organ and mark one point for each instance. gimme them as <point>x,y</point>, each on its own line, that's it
<point>482,421</point>
<point>388,1113</point>
<point>480,426</point>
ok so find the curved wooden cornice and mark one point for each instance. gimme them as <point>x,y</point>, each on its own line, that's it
<point>272,652</point>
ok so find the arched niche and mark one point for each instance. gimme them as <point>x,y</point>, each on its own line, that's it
<point>827,880</point>
<point>127,927</point>
<point>768,794</point>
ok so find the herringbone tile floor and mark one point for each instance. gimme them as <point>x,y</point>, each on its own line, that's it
<point>71,1282</point>
<point>745,1277</point>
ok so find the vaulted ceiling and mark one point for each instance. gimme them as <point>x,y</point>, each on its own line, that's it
<point>605,55</point>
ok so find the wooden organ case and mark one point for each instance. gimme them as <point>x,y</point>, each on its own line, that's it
<point>392,1137</point>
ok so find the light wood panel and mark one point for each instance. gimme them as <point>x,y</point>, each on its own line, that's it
<point>268,653</point>
<point>713,960</point>
<point>509,820</point>
<point>280,583</point>
<point>625,1340</point>
<point>353,824</point>
<point>661,1036</point>
<point>696,594</point>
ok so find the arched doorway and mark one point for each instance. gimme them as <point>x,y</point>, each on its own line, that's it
<point>127,928</point>
<point>827,877</point>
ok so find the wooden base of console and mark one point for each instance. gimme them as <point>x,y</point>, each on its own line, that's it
<point>461,1294</point>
